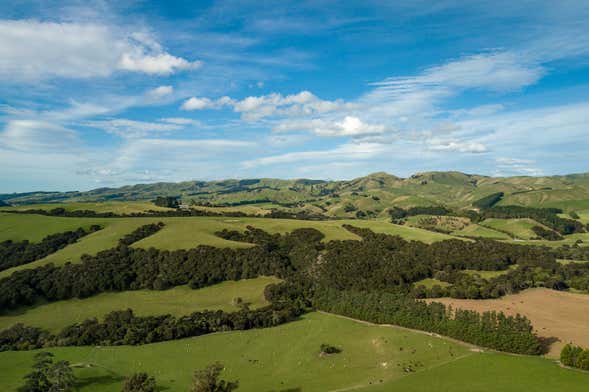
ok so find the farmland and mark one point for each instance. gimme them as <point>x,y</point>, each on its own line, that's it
<point>553,313</point>
<point>287,357</point>
<point>373,358</point>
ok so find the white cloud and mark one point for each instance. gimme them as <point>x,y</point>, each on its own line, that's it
<point>195,103</point>
<point>254,108</point>
<point>39,136</point>
<point>133,129</point>
<point>349,126</point>
<point>349,151</point>
<point>517,166</point>
<point>162,63</point>
<point>33,50</point>
<point>456,146</point>
<point>496,71</point>
<point>160,92</point>
<point>180,121</point>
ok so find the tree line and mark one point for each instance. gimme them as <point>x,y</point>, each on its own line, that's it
<point>490,329</point>
<point>182,213</point>
<point>15,253</point>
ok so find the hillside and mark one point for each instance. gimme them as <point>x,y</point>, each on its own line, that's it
<point>372,194</point>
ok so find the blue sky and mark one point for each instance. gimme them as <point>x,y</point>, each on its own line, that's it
<point>102,94</point>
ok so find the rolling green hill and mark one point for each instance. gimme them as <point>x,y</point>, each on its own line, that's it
<point>372,194</point>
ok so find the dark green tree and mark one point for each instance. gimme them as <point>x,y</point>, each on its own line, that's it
<point>47,376</point>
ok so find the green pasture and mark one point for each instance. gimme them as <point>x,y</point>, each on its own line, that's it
<point>280,358</point>
<point>178,301</point>
<point>519,228</point>
<point>475,230</point>
<point>373,359</point>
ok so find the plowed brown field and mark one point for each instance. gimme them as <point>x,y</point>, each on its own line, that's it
<point>554,314</point>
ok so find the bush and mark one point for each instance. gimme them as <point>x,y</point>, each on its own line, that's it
<point>329,349</point>
<point>575,356</point>
<point>139,382</point>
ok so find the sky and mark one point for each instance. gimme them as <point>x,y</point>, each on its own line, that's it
<point>103,94</point>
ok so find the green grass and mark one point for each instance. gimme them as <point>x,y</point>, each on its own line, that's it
<point>178,301</point>
<point>91,244</point>
<point>262,360</point>
<point>490,274</point>
<point>286,357</point>
<point>562,261</point>
<point>519,228</point>
<point>429,283</point>
<point>34,228</point>
<point>118,207</point>
<point>490,372</point>
<point>475,230</point>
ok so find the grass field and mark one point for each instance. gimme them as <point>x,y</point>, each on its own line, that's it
<point>475,230</point>
<point>262,360</point>
<point>519,228</point>
<point>286,358</point>
<point>553,313</point>
<point>429,283</point>
<point>34,228</point>
<point>485,372</point>
<point>489,274</point>
<point>118,207</point>
<point>178,301</point>
<point>31,225</point>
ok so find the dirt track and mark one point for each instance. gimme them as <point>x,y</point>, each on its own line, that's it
<point>553,313</point>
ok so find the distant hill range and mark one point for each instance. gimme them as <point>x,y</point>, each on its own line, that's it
<point>373,193</point>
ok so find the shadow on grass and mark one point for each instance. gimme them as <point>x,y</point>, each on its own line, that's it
<point>547,342</point>
<point>104,380</point>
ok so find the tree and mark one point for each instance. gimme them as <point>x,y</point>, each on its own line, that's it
<point>139,382</point>
<point>47,376</point>
<point>207,380</point>
<point>167,201</point>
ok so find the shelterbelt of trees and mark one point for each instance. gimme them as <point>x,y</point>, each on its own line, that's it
<point>547,216</point>
<point>371,279</point>
<point>17,253</point>
<point>190,212</point>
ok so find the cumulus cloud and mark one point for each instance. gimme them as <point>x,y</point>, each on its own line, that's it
<point>35,50</point>
<point>349,126</point>
<point>253,108</point>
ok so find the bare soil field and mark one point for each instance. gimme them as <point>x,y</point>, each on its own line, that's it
<point>554,314</point>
